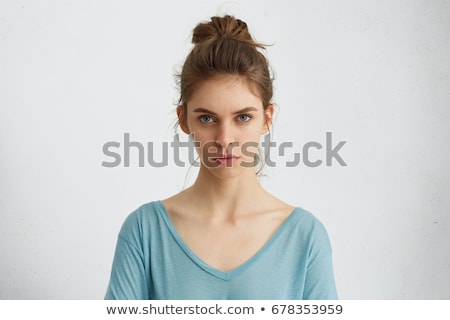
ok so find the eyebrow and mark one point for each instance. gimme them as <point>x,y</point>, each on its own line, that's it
<point>247,109</point>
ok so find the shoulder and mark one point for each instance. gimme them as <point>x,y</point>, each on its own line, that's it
<point>143,213</point>
<point>304,216</point>
<point>307,226</point>
<point>139,223</point>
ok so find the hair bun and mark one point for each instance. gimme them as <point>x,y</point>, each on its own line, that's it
<point>223,27</point>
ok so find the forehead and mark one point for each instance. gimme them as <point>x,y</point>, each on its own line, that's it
<point>223,94</point>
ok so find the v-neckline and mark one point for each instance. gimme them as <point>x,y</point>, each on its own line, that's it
<point>224,275</point>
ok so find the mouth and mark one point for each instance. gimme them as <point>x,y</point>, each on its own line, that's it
<point>225,159</point>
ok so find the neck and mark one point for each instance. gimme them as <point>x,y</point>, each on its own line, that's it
<point>226,197</point>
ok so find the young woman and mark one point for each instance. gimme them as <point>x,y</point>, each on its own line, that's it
<point>224,237</point>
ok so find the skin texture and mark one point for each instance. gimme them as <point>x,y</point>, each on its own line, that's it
<point>226,216</point>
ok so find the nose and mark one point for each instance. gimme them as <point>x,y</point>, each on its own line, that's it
<point>225,136</point>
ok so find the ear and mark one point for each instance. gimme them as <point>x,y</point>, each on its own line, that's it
<point>182,117</point>
<point>268,116</point>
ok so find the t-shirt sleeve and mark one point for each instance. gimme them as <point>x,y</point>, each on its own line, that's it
<point>129,278</point>
<point>319,281</point>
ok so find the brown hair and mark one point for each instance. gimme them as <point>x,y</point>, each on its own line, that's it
<point>224,46</point>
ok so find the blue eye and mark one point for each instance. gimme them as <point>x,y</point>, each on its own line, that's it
<point>206,119</point>
<point>244,117</point>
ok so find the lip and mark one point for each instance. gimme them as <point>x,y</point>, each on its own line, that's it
<point>225,159</point>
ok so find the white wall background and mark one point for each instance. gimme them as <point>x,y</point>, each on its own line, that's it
<point>77,74</point>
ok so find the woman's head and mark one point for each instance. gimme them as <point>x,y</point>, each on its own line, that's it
<point>223,46</point>
<point>226,91</point>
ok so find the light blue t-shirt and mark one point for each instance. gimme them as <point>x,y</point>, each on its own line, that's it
<point>153,262</point>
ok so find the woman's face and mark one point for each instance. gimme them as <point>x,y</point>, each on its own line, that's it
<point>226,120</point>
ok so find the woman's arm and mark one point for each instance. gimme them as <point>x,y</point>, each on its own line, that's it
<point>129,278</point>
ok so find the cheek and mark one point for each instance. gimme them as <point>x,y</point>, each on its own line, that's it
<point>201,138</point>
<point>205,144</point>
<point>250,134</point>
<point>249,149</point>
<point>250,146</point>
